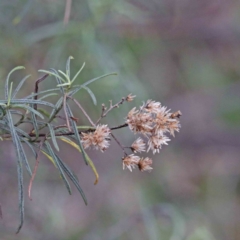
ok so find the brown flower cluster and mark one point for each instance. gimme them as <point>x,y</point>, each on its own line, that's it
<point>99,139</point>
<point>153,121</point>
<point>132,161</point>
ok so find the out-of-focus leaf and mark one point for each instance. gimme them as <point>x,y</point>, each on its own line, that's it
<point>7,80</point>
<point>19,86</point>
<point>91,95</point>
<point>68,71</point>
<point>76,75</point>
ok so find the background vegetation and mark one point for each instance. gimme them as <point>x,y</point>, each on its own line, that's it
<point>184,54</point>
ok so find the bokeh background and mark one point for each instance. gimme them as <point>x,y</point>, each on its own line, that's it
<point>185,54</point>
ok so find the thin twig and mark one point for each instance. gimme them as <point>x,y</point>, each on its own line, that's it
<point>36,88</point>
<point>8,136</point>
<point>67,12</point>
<point>111,107</point>
<point>120,145</point>
<point>84,112</point>
<point>120,126</point>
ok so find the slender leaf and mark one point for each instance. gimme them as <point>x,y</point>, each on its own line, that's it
<point>10,94</point>
<point>68,66</point>
<point>19,86</point>
<point>51,73</point>
<point>48,95</point>
<point>73,144</point>
<point>19,170</point>
<point>65,75</point>
<point>76,134</point>
<point>73,178</point>
<point>52,133</point>
<point>19,130</point>
<point>63,84</point>
<point>16,112</point>
<point>24,157</point>
<point>30,146</point>
<point>91,95</point>
<point>58,80</point>
<point>57,108</point>
<point>45,91</point>
<point>28,101</point>
<point>30,109</point>
<point>56,160</point>
<point>7,80</point>
<point>76,75</point>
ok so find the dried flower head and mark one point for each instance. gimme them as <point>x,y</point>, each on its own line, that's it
<point>151,106</point>
<point>130,162</point>
<point>144,164</point>
<point>138,145</point>
<point>130,97</point>
<point>155,142</point>
<point>139,121</point>
<point>99,139</point>
<point>153,120</point>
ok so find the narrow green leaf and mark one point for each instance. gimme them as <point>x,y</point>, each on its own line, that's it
<point>79,87</point>
<point>10,94</point>
<point>76,134</point>
<point>48,95</point>
<point>53,137</point>
<point>63,84</point>
<point>44,112</point>
<point>19,86</point>
<point>56,161</point>
<point>65,75</point>
<point>73,178</point>
<point>30,109</point>
<point>16,112</point>
<point>73,144</point>
<point>30,146</point>
<point>91,95</point>
<point>19,170</point>
<point>20,131</point>
<point>98,78</point>
<point>76,75</point>
<point>45,91</point>
<point>58,106</point>
<point>53,74</point>
<point>24,157</point>
<point>68,66</point>
<point>58,80</point>
<point>28,101</point>
<point>7,80</point>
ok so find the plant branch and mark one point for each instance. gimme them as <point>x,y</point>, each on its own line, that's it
<point>105,111</point>
<point>36,88</point>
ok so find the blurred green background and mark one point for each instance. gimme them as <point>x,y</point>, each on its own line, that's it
<point>185,54</point>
